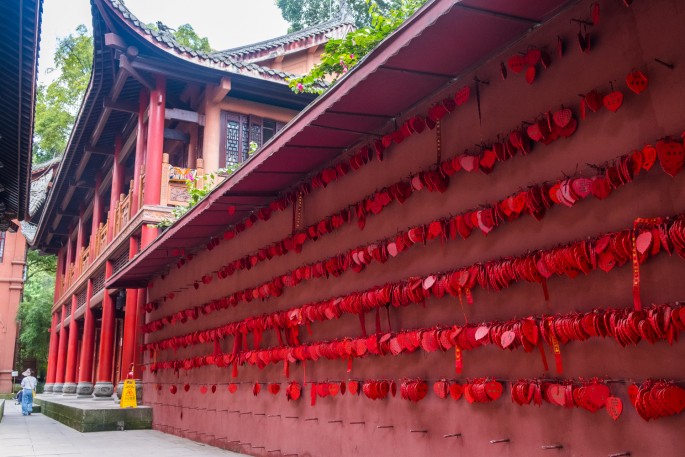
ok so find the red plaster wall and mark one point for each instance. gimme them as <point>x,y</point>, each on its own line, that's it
<point>627,38</point>
<point>11,285</point>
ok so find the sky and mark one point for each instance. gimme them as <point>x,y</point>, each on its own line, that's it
<point>227,23</point>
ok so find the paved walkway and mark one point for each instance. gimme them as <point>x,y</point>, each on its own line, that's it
<point>38,435</point>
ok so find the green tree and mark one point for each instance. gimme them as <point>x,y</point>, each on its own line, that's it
<point>342,54</point>
<point>306,13</point>
<point>185,35</point>
<point>57,103</point>
<point>34,315</point>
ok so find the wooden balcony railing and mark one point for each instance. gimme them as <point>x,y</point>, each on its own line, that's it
<point>174,192</point>
<point>122,211</point>
<point>84,258</point>
<point>174,189</point>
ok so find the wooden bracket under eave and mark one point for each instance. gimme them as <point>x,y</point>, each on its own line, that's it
<point>221,90</point>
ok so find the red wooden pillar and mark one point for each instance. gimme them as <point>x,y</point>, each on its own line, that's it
<point>97,217</point>
<point>68,259</point>
<point>61,354</point>
<point>130,319</point>
<point>52,351</point>
<point>58,275</point>
<point>79,239</point>
<point>103,385</point>
<point>69,387</point>
<point>85,378</point>
<point>140,152</point>
<point>155,148</point>
<point>117,178</point>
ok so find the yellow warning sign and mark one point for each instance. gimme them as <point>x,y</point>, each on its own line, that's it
<point>128,394</point>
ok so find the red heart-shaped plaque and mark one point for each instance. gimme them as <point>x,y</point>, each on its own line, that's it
<point>440,388</point>
<point>614,407</point>
<point>274,388</point>
<point>534,132</point>
<point>593,100</point>
<point>456,391</point>
<point>633,391</point>
<point>530,74</point>
<point>462,95</point>
<point>613,100</point>
<point>649,155</point>
<point>671,156</point>
<point>493,389</point>
<point>643,241</point>
<point>516,63</point>
<point>557,394</point>
<point>636,81</point>
<point>508,338</point>
<point>562,117</point>
<point>232,387</point>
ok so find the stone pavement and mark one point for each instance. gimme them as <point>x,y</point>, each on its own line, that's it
<point>38,435</point>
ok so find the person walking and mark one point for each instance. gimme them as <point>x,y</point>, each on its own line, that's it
<point>28,385</point>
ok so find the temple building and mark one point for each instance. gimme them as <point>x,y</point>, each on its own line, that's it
<point>470,244</point>
<point>155,115</point>
<point>19,42</point>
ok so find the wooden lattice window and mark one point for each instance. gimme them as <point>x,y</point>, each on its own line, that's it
<point>240,130</point>
<point>99,281</point>
<point>120,262</point>
<point>80,298</point>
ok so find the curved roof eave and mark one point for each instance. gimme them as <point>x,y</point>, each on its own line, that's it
<point>165,42</point>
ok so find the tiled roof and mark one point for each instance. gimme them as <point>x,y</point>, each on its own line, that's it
<point>341,23</point>
<point>19,46</point>
<point>166,40</point>
<point>28,230</point>
<point>39,191</point>
<point>38,167</point>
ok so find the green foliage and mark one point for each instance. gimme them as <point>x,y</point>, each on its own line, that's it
<point>342,54</point>
<point>198,194</point>
<point>306,13</point>
<point>186,36</point>
<point>57,103</point>
<point>34,314</point>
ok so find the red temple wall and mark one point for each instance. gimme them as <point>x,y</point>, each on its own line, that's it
<point>626,39</point>
<point>11,285</point>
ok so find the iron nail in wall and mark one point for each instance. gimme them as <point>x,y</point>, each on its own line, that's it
<point>552,446</point>
<point>501,440</point>
<point>452,435</point>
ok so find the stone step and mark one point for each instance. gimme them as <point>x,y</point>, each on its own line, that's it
<point>88,415</point>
